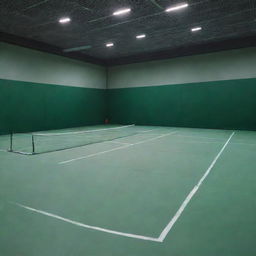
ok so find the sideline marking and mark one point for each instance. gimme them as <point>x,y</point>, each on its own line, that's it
<point>192,193</point>
<point>169,226</point>
<point>89,226</point>
<point>115,149</point>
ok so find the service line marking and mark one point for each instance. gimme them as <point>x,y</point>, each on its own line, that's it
<point>117,142</point>
<point>199,137</point>
<point>115,149</point>
<point>147,131</point>
<point>168,227</point>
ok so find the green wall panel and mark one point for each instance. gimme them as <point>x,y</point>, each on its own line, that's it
<point>29,106</point>
<point>222,104</point>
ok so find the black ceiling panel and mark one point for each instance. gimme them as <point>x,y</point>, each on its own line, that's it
<point>226,24</point>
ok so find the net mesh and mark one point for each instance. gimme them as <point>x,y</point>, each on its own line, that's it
<point>5,142</point>
<point>38,143</point>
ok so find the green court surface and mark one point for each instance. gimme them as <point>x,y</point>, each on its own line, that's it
<point>158,191</point>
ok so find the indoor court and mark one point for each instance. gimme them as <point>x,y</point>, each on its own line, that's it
<point>127,128</point>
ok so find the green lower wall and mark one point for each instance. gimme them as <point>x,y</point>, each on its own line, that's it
<point>26,106</point>
<point>222,104</point>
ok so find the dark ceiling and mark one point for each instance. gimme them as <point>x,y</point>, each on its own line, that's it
<point>226,24</point>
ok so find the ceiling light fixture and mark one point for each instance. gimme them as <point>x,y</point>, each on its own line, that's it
<point>64,20</point>
<point>196,29</point>
<point>121,11</point>
<point>140,36</point>
<point>78,49</point>
<point>177,7</point>
<point>109,45</point>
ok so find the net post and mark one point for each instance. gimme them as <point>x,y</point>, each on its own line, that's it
<point>33,144</point>
<point>11,142</point>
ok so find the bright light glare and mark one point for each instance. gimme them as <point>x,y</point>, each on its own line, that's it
<point>122,11</point>
<point>196,29</point>
<point>177,7</point>
<point>64,20</point>
<point>140,36</point>
<point>109,44</point>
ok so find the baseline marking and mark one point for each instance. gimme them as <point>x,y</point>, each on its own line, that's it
<point>168,227</point>
<point>115,149</point>
<point>89,226</point>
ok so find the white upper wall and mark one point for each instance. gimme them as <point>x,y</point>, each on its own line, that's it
<point>22,64</point>
<point>226,65</point>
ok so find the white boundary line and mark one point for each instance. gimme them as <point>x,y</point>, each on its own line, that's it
<point>199,142</point>
<point>117,142</point>
<point>92,155</point>
<point>86,131</point>
<point>168,227</point>
<point>156,134</point>
<point>192,193</point>
<point>243,143</point>
<point>89,226</point>
<point>115,149</point>
<point>22,153</point>
<point>199,137</point>
<point>147,131</point>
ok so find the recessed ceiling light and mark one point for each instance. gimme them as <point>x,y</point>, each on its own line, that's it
<point>78,49</point>
<point>64,20</point>
<point>140,36</point>
<point>177,7</point>
<point>121,11</point>
<point>109,45</point>
<point>196,29</point>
